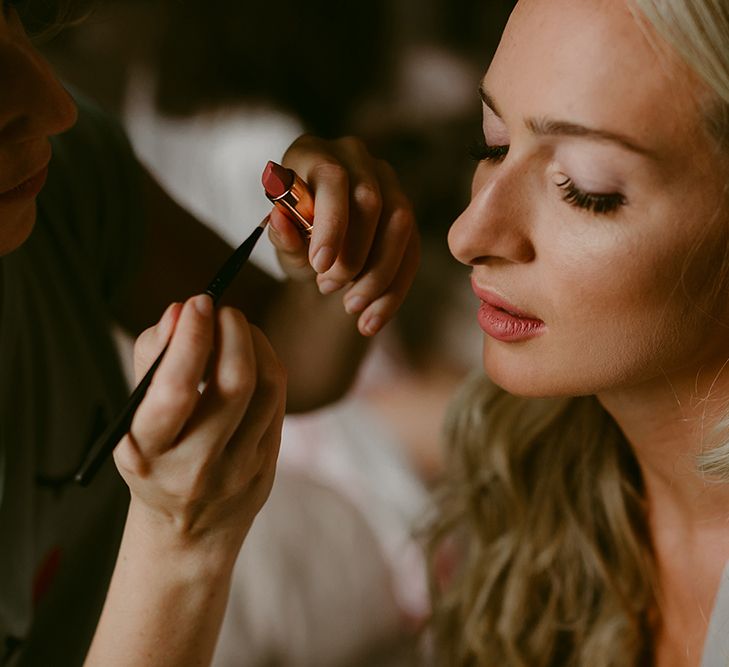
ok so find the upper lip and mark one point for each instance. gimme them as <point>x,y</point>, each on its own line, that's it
<point>493,299</point>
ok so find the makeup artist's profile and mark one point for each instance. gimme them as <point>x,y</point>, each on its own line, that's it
<point>134,568</point>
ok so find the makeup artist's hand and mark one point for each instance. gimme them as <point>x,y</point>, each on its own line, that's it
<point>364,240</point>
<point>201,464</point>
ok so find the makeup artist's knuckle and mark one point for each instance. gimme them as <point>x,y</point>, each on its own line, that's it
<point>237,380</point>
<point>173,397</point>
<point>367,199</point>
<point>330,171</point>
<point>354,145</point>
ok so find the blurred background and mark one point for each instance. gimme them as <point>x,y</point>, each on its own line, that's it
<point>332,572</point>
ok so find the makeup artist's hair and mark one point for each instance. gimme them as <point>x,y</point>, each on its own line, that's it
<point>543,502</point>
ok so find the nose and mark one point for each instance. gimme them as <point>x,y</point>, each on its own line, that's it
<point>494,227</point>
<point>34,104</point>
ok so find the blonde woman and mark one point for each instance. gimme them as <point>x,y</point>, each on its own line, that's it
<point>587,498</point>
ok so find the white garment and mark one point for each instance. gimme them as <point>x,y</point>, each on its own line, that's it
<point>330,575</point>
<point>310,587</point>
<point>351,450</point>
<point>211,163</point>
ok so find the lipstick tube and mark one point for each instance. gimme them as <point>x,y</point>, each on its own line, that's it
<point>290,193</point>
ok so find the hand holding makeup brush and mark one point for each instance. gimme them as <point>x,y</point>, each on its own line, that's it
<point>364,240</point>
<point>194,456</point>
<point>199,466</point>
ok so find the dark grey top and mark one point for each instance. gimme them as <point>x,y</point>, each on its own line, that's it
<point>60,380</point>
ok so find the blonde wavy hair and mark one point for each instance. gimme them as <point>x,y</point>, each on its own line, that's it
<point>543,500</point>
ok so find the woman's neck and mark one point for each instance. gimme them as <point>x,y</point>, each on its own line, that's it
<point>668,423</point>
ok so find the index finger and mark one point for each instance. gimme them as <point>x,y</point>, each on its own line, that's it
<point>330,183</point>
<point>316,161</point>
<point>173,395</point>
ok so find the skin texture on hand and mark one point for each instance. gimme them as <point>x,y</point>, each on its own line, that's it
<point>364,240</point>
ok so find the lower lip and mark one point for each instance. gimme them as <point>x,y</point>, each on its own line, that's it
<point>507,328</point>
<point>27,189</point>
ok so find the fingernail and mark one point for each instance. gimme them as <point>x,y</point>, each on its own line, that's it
<point>329,286</point>
<point>373,325</point>
<point>203,304</point>
<point>323,259</point>
<point>355,304</point>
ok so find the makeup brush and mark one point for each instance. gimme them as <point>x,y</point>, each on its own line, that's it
<point>118,428</point>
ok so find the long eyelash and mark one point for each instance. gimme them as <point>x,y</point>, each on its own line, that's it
<point>596,203</point>
<point>480,151</point>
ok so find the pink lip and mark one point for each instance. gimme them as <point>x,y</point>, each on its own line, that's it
<point>504,321</point>
<point>27,189</point>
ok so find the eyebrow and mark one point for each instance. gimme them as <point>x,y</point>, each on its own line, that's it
<point>551,127</point>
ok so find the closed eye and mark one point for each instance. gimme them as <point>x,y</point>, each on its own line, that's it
<point>589,201</point>
<point>480,151</point>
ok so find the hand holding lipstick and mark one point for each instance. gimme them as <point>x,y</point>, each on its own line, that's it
<point>364,239</point>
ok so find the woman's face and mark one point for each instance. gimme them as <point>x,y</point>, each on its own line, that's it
<point>598,209</point>
<point>33,106</point>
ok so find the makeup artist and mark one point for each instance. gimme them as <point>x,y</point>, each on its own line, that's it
<point>86,240</point>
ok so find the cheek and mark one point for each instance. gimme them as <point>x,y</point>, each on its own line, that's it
<point>633,305</point>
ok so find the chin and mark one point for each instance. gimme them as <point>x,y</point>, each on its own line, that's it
<point>16,227</point>
<point>524,374</point>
